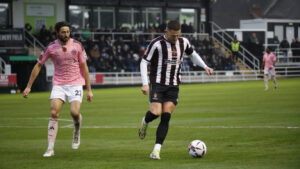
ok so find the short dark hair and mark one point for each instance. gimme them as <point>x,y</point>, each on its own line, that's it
<point>174,25</point>
<point>58,25</point>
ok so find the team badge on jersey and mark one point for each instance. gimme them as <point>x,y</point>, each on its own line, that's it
<point>174,53</point>
<point>73,52</point>
<point>155,96</point>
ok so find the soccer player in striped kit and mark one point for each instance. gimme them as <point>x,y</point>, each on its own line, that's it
<point>70,74</point>
<point>165,55</point>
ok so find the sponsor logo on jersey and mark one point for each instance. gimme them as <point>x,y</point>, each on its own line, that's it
<point>173,62</point>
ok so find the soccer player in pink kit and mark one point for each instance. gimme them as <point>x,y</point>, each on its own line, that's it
<point>70,74</point>
<point>269,61</point>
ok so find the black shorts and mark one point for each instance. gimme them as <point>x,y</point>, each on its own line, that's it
<point>162,93</point>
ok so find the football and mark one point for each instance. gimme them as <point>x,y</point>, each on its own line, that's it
<point>197,148</point>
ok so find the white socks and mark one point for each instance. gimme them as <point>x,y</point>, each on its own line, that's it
<point>157,147</point>
<point>52,132</point>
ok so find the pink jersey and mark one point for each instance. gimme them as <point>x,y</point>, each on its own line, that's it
<point>67,62</point>
<point>269,60</point>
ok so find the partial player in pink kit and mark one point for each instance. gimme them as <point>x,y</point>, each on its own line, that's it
<point>70,74</point>
<point>269,61</point>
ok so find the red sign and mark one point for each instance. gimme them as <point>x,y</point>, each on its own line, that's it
<point>8,80</point>
<point>96,78</point>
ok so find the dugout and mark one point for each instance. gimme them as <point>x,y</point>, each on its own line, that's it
<point>22,66</point>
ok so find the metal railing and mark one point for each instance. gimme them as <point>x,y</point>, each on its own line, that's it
<point>129,35</point>
<point>134,78</point>
<point>34,42</point>
<point>225,39</point>
<point>2,66</point>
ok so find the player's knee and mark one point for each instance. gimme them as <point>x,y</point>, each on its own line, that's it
<point>54,113</point>
<point>75,116</point>
<point>75,113</point>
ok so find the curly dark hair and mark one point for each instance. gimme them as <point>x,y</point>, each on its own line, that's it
<point>58,25</point>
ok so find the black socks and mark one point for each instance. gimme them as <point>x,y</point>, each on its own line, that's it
<point>162,128</point>
<point>150,117</point>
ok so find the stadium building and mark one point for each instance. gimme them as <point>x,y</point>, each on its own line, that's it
<point>129,25</point>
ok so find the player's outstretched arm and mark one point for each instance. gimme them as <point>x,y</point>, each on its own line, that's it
<point>144,72</point>
<point>198,61</point>
<point>86,74</point>
<point>35,72</point>
<point>209,70</point>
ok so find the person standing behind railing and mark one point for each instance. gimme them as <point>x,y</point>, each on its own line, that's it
<point>284,46</point>
<point>295,46</point>
<point>235,47</point>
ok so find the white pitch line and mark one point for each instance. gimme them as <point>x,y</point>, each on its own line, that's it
<point>68,126</point>
<point>198,127</point>
<point>244,127</point>
<point>40,118</point>
<point>28,118</point>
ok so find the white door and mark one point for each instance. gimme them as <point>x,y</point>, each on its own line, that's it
<point>290,33</point>
<point>279,32</point>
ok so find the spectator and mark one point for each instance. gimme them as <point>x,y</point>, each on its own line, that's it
<point>235,45</point>
<point>102,65</point>
<point>119,42</point>
<point>134,45</point>
<point>284,47</point>
<point>102,43</point>
<point>78,38</point>
<point>229,64</point>
<point>162,26</point>
<point>109,41</point>
<point>275,43</point>
<point>44,36</point>
<point>295,49</point>
<point>86,33</point>
<point>190,28</point>
<point>254,46</point>
<point>186,64</point>
<point>184,27</point>
<point>120,64</point>
<point>253,39</point>
<point>94,56</point>
<point>112,64</point>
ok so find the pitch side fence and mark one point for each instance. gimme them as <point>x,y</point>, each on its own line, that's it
<point>133,78</point>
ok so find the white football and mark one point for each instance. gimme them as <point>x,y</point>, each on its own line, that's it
<point>197,148</point>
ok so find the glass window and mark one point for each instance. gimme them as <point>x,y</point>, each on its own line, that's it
<point>154,17</point>
<point>107,20</point>
<point>184,14</point>
<point>75,16</point>
<point>86,16</point>
<point>189,15</point>
<point>124,18</point>
<point>4,15</point>
<point>172,14</point>
<point>139,19</point>
<point>95,20</point>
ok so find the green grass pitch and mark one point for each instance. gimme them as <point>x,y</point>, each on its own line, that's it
<point>243,126</point>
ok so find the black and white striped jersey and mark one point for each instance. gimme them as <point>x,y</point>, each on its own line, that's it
<point>166,59</point>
